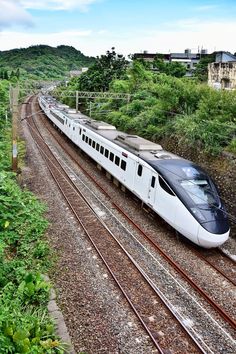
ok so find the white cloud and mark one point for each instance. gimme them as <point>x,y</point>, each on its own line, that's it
<point>76,38</point>
<point>191,33</point>
<point>184,34</point>
<point>57,4</point>
<point>13,14</point>
<point>206,8</point>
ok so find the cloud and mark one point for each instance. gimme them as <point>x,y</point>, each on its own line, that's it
<point>82,5</point>
<point>76,38</point>
<point>206,8</point>
<point>193,33</point>
<point>184,34</point>
<point>13,14</point>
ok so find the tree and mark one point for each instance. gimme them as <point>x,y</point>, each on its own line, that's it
<point>5,75</point>
<point>173,68</point>
<point>105,69</point>
<point>201,71</point>
<point>17,73</point>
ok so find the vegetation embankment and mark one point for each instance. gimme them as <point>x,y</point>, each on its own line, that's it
<point>25,326</point>
<point>162,104</point>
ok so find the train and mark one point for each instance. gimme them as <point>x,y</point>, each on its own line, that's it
<point>178,190</point>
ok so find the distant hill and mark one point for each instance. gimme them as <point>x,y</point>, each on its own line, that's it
<point>44,62</point>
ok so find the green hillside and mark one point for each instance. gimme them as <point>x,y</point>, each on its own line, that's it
<point>43,62</point>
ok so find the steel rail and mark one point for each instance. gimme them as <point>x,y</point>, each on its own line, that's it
<point>176,266</point>
<point>217,268</point>
<point>120,286</point>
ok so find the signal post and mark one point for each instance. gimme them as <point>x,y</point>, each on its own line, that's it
<point>14,94</point>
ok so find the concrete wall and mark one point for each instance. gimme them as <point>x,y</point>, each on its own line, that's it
<point>222,75</point>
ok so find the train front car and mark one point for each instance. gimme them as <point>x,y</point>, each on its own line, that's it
<point>200,196</point>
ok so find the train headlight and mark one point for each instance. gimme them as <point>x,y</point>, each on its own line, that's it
<point>196,212</point>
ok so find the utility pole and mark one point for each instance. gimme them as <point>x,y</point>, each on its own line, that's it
<point>76,100</point>
<point>14,93</point>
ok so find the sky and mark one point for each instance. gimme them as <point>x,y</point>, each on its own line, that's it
<point>131,26</point>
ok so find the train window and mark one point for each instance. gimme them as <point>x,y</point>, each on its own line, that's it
<point>165,186</point>
<point>153,181</point>
<point>73,128</point>
<point>102,150</point>
<point>106,153</point>
<point>86,139</point>
<point>90,141</point>
<point>97,147</point>
<point>123,165</point>
<point>111,157</point>
<point>93,144</point>
<point>80,130</point>
<point>117,160</point>
<point>69,125</point>
<point>83,136</point>
<point>140,170</point>
<point>66,121</point>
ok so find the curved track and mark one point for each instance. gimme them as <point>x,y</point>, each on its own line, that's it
<point>229,276</point>
<point>146,304</point>
<point>71,194</point>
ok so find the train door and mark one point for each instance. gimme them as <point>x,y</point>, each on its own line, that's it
<point>152,190</point>
<point>142,180</point>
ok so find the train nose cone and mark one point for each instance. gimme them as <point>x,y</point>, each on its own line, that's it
<point>216,221</point>
<point>217,226</point>
<point>208,239</point>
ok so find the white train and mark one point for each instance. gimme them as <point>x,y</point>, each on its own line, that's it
<point>176,189</point>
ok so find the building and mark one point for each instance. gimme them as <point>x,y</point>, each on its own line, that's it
<point>75,73</point>
<point>188,59</point>
<point>222,73</point>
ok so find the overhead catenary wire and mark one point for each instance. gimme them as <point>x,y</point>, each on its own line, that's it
<point>232,217</point>
<point>179,114</point>
<point>222,198</point>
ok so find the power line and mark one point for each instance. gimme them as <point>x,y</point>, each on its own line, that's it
<point>232,217</point>
<point>225,200</point>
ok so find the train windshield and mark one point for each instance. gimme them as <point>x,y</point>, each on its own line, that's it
<point>200,191</point>
<point>199,187</point>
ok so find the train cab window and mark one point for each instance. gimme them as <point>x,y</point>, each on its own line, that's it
<point>153,181</point>
<point>80,130</point>
<point>111,157</point>
<point>106,153</point>
<point>90,141</point>
<point>83,137</point>
<point>165,186</point>
<point>97,147</point>
<point>123,165</point>
<point>140,170</point>
<point>86,139</point>
<point>102,150</point>
<point>93,144</point>
<point>117,160</point>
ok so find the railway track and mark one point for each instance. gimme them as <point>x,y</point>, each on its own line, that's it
<point>221,262</point>
<point>148,304</point>
<point>211,257</point>
<point>74,202</point>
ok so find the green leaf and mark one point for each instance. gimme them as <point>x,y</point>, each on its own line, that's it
<point>29,278</point>
<point>8,331</point>
<point>7,223</point>
<point>20,335</point>
<point>30,288</point>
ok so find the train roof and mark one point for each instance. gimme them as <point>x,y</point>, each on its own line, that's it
<point>178,169</point>
<point>143,148</point>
